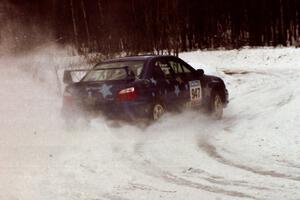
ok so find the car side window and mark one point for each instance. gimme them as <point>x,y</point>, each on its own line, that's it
<point>185,69</point>
<point>179,68</point>
<point>176,67</point>
<point>164,67</point>
<point>158,73</point>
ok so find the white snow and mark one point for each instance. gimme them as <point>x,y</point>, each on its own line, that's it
<point>253,153</point>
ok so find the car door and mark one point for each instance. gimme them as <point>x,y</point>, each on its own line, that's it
<point>166,84</point>
<point>190,83</point>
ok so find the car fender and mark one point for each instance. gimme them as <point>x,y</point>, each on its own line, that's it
<point>216,84</point>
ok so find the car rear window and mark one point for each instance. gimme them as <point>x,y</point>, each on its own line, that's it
<point>114,71</point>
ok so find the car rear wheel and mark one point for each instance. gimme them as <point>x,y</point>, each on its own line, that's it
<point>216,106</point>
<point>157,111</point>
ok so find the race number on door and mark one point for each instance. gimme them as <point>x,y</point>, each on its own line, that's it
<point>195,92</point>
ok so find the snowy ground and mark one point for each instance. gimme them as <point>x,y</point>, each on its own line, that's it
<point>253,153</point>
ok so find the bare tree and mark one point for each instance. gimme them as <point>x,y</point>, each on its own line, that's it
<point>74,23</point>
<point>86,24</point>
<point>161,25</point>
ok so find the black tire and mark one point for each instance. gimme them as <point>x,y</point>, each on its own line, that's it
<point>216,106</point>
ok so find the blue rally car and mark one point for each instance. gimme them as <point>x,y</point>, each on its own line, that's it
<point>142,87</point>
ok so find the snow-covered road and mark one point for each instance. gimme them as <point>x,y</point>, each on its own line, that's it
<point>253,153</point>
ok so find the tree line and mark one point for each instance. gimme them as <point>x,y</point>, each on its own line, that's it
<point>138,26</point>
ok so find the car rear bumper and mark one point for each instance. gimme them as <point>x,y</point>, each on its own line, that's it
<point>127,110</point>
<point>118,110</point>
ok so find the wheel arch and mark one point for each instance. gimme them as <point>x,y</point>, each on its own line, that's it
<point>219,88</point>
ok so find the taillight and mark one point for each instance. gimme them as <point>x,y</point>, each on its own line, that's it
<point>127,94</point>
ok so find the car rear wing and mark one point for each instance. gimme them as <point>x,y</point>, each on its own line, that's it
<point>76,75</point>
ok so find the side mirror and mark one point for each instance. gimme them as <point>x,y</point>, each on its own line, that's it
<point>67,79</point>
<point>200,72</point>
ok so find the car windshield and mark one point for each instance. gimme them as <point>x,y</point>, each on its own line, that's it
<point>114,71</point>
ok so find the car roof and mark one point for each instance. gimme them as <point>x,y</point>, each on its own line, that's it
<point>137,58</point>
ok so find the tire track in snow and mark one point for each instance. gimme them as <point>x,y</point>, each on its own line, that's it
<point>279,81</point>
<point>148,168</point>
<point>220,181</point>
<point>184,182</point>
<point>289,164</point>
<point>112,197</point>
<point>209,177</point>
<point>213,153</point>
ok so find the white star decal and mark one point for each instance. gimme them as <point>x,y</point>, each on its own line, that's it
<point>153,81</point>
<point>105,90</point>
<point>177,91</point>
